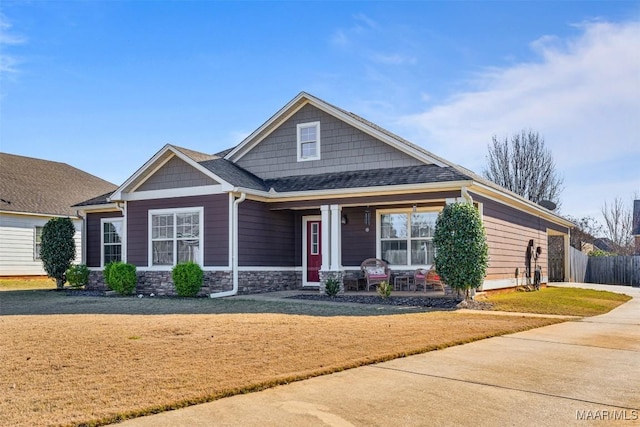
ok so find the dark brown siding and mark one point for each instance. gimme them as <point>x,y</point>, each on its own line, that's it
<point>94,236</point>
<point>357,243</point>
<point>508,233</point>
<point>265,237</point>
<point>216,226</point>
<point>420,198</point>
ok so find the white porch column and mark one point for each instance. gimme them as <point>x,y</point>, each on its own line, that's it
<point>336,244</point>
<point>325,227</point>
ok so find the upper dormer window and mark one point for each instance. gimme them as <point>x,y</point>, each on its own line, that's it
<point>308,141</point>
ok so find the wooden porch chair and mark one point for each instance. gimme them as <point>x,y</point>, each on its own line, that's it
<point>375,271</point>
<point>433,279</point>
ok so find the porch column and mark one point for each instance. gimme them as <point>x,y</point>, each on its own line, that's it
<point>325,227</point>
<point>336,243</point>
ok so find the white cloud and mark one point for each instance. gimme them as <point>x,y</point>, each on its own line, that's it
<point>8,62</point>
<point>583,96</point>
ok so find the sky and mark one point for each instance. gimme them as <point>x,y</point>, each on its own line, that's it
<point>104,85</point>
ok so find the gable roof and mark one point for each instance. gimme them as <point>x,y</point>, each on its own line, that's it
<point>36,186</point>
<point>352,119</point>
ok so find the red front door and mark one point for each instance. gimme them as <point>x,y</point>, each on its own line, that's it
<point>314,252</point>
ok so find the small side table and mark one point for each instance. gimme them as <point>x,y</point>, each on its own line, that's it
<point>401,280</point>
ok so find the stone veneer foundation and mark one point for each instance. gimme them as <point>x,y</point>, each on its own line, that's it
<point>159,283</point>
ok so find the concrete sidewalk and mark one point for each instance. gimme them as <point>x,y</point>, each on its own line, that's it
<point>583,372</point>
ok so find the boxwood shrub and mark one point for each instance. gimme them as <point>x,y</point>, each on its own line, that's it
<point>187,278</point>
<point>121,277</point>
<point>78,275</point>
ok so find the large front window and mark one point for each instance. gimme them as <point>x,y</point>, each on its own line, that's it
<point>111,241</point>
<point>176,236</point>
<point>406,238</point>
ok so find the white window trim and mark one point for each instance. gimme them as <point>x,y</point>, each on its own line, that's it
<point>301,126</point>
<point>409,210</point>
<point>122,242</point>
<point>36,255</point>
<point>151,212</point>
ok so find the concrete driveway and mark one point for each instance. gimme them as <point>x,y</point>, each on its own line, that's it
<point>579,373</point>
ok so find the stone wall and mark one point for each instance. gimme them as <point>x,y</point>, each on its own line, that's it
<point>159,283</point>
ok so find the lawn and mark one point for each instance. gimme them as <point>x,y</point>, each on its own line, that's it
<point>72,360</point>
<point>564,301</point>
<point>16,284</point>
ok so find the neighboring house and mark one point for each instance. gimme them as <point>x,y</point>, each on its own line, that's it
<point>32,191</point>
<point>635,231</point>
<point>312,192</point>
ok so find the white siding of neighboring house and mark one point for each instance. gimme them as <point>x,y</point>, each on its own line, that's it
<point>17,243</point>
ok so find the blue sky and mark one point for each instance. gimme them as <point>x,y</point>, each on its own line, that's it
<point>103,85</point>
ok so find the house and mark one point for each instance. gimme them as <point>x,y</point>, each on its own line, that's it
<point>312,192</point>
<point>635,230</point>
<point>32,191</point>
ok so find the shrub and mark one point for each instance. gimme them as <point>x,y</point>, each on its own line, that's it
<point>78,275</point>
<point>58,248</point>
<point>384,289</point>
<point>462,253</point>
<point>331,286</point>
<point>105,272</point>
<point>121,277</point>
<point>187,278</point>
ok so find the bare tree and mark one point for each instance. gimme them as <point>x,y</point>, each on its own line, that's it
<point>585,231</point>
<point>618,224</point>
<point>524,166</point>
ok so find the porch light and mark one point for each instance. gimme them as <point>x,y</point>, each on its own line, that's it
<point>367,217</point>
<point>345,220</point>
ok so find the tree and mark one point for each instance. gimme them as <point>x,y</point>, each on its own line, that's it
<point>462,253</point>
<point>58,248</point>
<point>524,166</point>
<point>585,231</point>
<point>618,226</point>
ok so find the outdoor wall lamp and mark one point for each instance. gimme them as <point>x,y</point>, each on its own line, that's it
<point>345,220</point>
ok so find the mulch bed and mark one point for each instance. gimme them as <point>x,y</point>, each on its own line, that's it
<point>435,303</point>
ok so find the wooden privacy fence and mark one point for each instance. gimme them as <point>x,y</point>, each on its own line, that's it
<point>608,270</point>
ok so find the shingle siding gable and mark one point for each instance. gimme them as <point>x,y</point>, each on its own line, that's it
<point>343,148</point>
<point>176,173</point>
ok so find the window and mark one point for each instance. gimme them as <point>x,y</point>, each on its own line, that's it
<point>308,141</point>
<point>176,236</point>
<point>37,242</point>
<point>111,240</point>
<point>315,238</point>
<point>406,238</point>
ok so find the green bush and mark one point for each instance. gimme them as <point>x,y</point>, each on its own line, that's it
<point>384,289</point>
<point>462,253</point>
<point>121,277</point>
<point>187,278</point>
<point>58,249</point>
<point>78,276</point>
<point>331,286</point>
<point>105,272</point>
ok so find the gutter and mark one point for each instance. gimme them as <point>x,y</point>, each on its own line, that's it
<point>466,195</point>
<point>234,244</point>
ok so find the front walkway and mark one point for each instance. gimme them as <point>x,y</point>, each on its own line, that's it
<point>576,373</point>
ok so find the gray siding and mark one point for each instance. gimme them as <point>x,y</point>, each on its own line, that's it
<point>176,173</point>
<point>265,237</point>
<point>342,148</point>
<point>94,237</point>
<point>216,227</point>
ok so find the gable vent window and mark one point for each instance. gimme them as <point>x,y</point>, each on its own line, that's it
<point>308,141</point>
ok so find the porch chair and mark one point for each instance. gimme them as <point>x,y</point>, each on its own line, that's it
<point>420,279</point>
<point>433,279</point>
<point>375,271</point>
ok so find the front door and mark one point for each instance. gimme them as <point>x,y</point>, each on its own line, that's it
<point>313,249</point>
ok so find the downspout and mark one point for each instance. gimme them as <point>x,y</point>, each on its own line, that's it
<point>83,237</point>
<point>466,195</point>
<point>234,249</point>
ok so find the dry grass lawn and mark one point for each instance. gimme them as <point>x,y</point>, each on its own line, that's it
<point>89,369</point>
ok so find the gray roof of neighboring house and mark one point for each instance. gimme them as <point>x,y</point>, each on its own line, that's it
<point>423,174</point>
<point>30,185</point>
<point>636,218</point>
